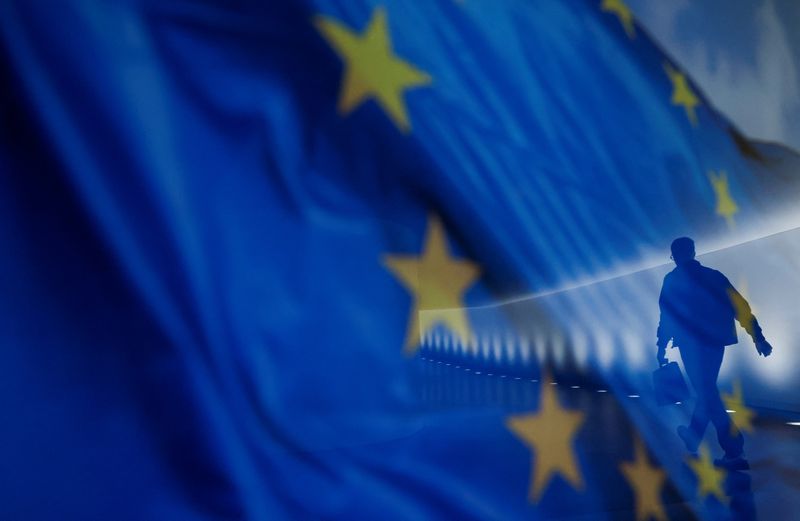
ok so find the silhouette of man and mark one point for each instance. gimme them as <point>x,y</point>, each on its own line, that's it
<point>698,306</point>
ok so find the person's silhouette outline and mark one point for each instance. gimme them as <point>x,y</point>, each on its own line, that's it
<point>698,306</point>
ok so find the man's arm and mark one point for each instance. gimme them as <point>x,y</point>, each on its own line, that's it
<point>664,332</point>
<point>744,315</point>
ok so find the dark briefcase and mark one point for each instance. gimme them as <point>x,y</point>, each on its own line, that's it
<point>670,387</point>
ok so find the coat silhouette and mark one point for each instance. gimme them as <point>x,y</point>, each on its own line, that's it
<point>699,307</point>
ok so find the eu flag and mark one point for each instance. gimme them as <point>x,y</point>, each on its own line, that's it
<point>361,260</point>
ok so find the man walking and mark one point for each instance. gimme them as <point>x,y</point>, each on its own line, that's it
<point>698,306</point>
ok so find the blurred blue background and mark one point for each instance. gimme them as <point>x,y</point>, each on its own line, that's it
<point>215,271</point>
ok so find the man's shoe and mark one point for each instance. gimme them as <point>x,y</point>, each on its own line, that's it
<point>732,462</point>
<point>688,438</point>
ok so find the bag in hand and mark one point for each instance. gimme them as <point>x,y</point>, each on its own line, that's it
<point>670,387</point>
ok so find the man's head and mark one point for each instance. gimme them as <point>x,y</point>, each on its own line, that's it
<point>682,250</point>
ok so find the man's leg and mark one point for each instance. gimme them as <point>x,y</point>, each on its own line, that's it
<point>729,437</point>
<point>693,364</point>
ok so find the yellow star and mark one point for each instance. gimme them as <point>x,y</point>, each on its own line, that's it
<point>744,291</point>
<point>709,477</point>
<point>726,206</point>
<point>372,70</point>
<point>623,12</point>
<point>743,312</point>
<point>549,433</point>
<point>682,94</point>
<point>438,282</point>
<point>743,417</point>
<point>646,481</point>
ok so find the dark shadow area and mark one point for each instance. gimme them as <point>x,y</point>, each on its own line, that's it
<point>698,307</point>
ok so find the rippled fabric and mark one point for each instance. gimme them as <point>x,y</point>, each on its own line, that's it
<point>196,318</point>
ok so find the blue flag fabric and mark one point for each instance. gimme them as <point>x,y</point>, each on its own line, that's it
<point>325,259</point>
